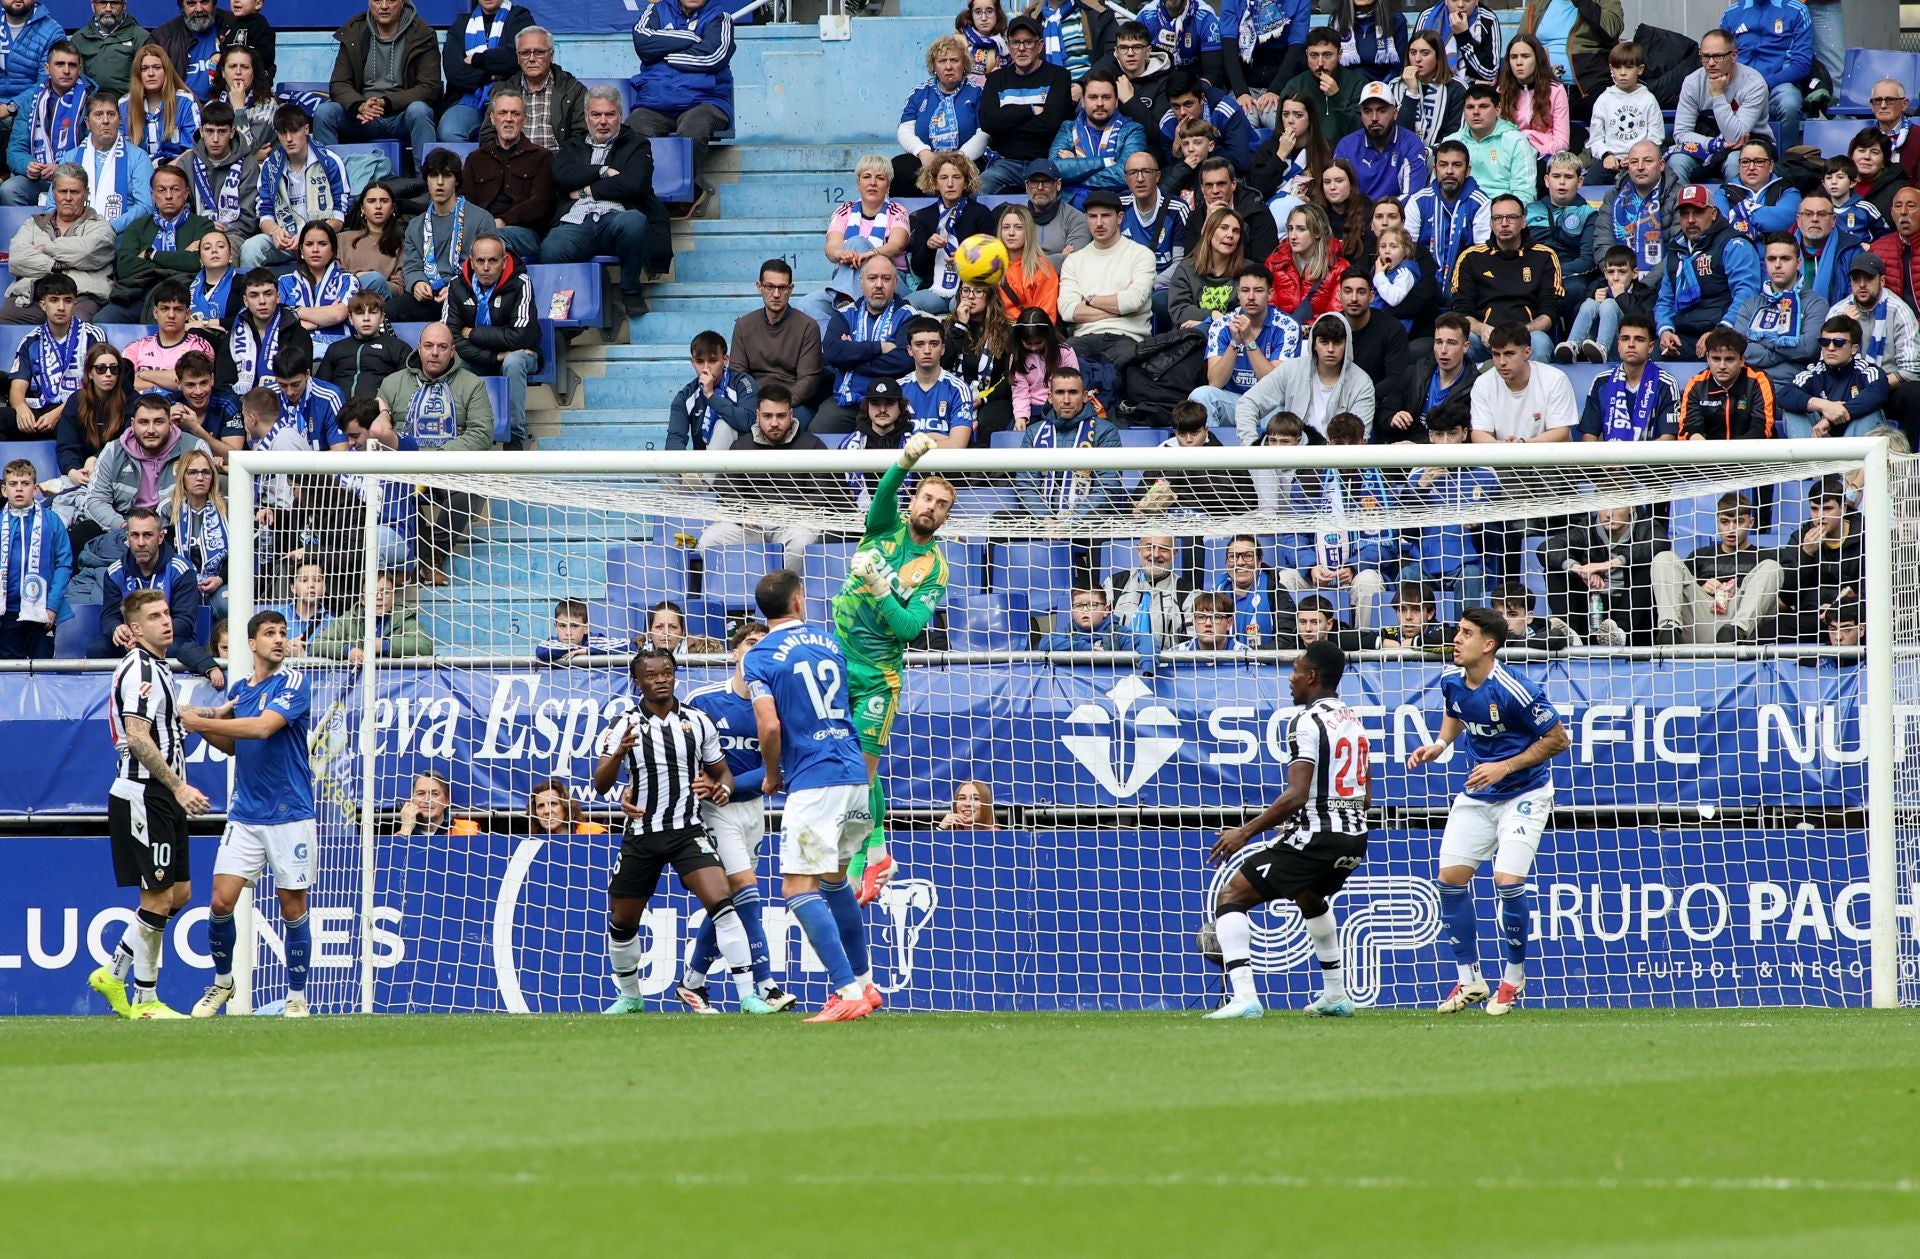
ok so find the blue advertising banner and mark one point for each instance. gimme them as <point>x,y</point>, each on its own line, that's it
<point>578,16</point>
<point>1008,920</point>
<point>1715,734</point>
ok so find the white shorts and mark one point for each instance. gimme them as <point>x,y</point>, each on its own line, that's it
<point>246,850</point>
<point>1507,830</point>
<point>736,829</point>
<point>824,827</point>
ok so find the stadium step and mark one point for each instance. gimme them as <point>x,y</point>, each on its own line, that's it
<point>624,437</point>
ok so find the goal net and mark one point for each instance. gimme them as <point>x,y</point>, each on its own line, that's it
<point>1725,630</point>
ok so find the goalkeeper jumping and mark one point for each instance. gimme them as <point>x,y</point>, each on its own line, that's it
<point>895,582</point>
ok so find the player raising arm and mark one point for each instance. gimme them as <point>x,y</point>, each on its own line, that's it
<point>1324,812</point>
<point>672,757</point>
<point>896,580</point>
<point>796,676</point>
<point>147,806</point>
<point>270,822</point>
<point>1512,732</point>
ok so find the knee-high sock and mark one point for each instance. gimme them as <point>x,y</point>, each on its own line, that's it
<point>816,919</point>
<point>1516,919</point>
<point>748,904</point>
<point>1463,932</point>
<point>623,949</point>
<point>853,928</point>
<point>222,935</point>
<point>299,953</point>
<point>1234,930</point>
<point>1324,931</point>
<point>731,934</point>
<point>877,805</point>
<point>143,940</point>
<point>702,954</point>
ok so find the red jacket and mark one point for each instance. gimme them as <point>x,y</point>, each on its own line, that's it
<point>1290,289</point>
<point>1901,254</point>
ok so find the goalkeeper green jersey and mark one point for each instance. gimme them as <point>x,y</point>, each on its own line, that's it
<point>875,631</point>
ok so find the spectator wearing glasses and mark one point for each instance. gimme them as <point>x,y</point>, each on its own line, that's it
<point>556,101</point>
<point>1826,252</point>
<point>1758,201</point>
<point>1022,107</point>
<point>1509,280</point>
<point>1213,625</point>
<point>1775,38</point>
<point>1091,627</point>
<point>1722,105</point>
<point>479,49</point>
<point>1841,395</point>
<point>776,345</point>
<point>1888,100</point>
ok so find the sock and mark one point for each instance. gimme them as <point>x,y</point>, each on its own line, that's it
<point>853,928</point>
<point>299,953</point>
<point>1456,911</point>
<point>877,840</point>
<point>816,920</point>
<point>121,964</point>
<point>747,903</point>
<point>1516,919</point>
<point>731,934</point>
<point>623,947</point>
<point>1324,931</point>
<point>704,953</point>
<point>221,936</point>
<point>143,940</point>
<point>1235,933</point>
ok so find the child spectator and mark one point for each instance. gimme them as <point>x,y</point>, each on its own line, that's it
<point>1852,214</point>
<point>1447,556</point>
<point>36,563</point>
<point>1626,113</point>
<point>306,612</point>
<point>1417,626</point>
<point>1194,141</point>
<point>1597,325</point>
<point>1514,602</point>
<point>1721,592</point>
<point>1209,491</point>
<point>358,363</point>
<point>154,357</point>
<point>1213,624</point>
<point>1091,627</point>
<point>1038,353</point>
<point>715,409</point>
<point>573,638</point>
<point>1395,273</point>
<point>983,25</point>
<point>1564,222</point>
<point>1532,97</point>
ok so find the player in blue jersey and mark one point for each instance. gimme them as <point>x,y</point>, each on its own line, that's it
<point>270,821</point>
<point>798,680</point>
<point>940,403</point>
<point>1512,732</point>
<point>737,827</point>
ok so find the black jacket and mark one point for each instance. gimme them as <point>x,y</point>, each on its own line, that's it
<point>1380,350</point>
<point>1015,131</point>
<point>631,155</point>
<point>497,62</point>
<point>513,325</point>
<point>975,220</point>
<point>356,365</point>
<point>177,41</point>
<point>1495,285</point>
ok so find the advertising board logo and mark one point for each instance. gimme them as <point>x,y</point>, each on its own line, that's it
<point>1380,914</point>
<point>1127,739</point>
<point>908,906</point>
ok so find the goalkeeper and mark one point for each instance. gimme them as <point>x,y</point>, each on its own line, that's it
<point>897,579</point>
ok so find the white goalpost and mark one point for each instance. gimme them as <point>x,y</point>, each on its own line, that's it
<point>1737,822</point>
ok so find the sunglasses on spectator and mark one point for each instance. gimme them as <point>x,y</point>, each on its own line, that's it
<point>1834,343</point>
<point>107,367</point>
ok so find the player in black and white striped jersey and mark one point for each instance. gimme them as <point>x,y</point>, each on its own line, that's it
<point>672,757</point>
<point>1324,809</point>
<point>147,806</point>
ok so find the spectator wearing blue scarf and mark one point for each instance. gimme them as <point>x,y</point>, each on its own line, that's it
<point>478,50</point>
<point>1782,321</point>
<point>36,563</point>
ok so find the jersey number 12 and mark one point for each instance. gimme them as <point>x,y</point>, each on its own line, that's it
<point>822,678</point>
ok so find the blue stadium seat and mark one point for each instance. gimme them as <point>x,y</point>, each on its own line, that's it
<point>11,217</point>
<point>680,531</point>
<point>122,335</point>
<point>624,86</point>
<point>1830,136</point>
<point>74,639</point>
<point>615,620</point>
<point>1865,67</point>
<point>1036,575</point>
<point>409,332</point>
<point>203,626</point>
<point>673,172</point>
<point>823,570</point>
<point>985,622</point>
<point>11,335</point>
<point>1138,437</point>
<point>502,406</point>
<point>1691,525</point>
<point>584,278</point>
<point>44,455</point>
<point>640,574</point>
<point>462,149</point>
<point>729,573</point>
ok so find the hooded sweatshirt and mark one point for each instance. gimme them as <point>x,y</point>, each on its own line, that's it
<point>1295,386</point>
<point>227,189</point>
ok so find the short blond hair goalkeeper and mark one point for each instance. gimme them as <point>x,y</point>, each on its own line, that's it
<point>894,585</point>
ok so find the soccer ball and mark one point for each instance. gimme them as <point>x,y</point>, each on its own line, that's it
<point>981,260</point>
<point>1207,943</point>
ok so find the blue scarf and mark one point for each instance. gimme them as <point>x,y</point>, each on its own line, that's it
<point>1778,317</point>
<point>1265,21</point>
<point>1452,225</point>
<point>459,216</point>
<point>943,126</point>
<point>1090,143</point>
<point>57,120</point>
<point>116,201</point>
<point>1636,224</point>
<point>56,364</point>
<point>482,37</point>
<point>431,417</point>
<point>333,287</point>
<point>864,325</point>
<point>979,49</point>
<point>223,206</point>
<point>209,301</point>
<point>1064,490</point>
<point>1066,45</point>
<point>1876,346</point>
<point>201,535</point>
<point>166,232</point>
<point>945,278</point>
<point>33,582</point>
<point>1253,609</point>
<point>253,353</point>
<point>483,304</point>
<point>1629,412</point>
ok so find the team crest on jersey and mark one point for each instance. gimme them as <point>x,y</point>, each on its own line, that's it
<point>1526,275</point>
<point>918,569</point>
<point>1493,713</point>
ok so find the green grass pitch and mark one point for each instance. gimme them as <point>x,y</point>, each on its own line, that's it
<point>1567,1133</point>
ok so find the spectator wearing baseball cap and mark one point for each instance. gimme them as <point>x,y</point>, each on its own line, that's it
<point>1060,228</point>
<point>1091,149</point>
<point>1390,160</point>
<point>1106,289</point>
<point>1022,106</point>
<point>1708,272</point>
<point>1890,335</point>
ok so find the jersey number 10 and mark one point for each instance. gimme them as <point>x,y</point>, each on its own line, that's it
<point>822,679</point>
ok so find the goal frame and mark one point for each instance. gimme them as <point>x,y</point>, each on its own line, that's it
<point>1876,510</point>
